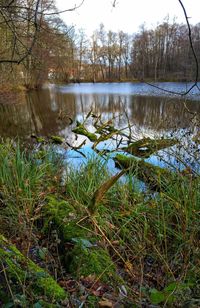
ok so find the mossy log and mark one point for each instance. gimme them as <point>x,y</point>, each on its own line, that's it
<point>86,261</point>
<point>85,257</point>
<point>22,273</point>
<point>155,177</point>
<point>57,139</point>
<point>146,147</point>
<point>39,139</point>
<point>81,130</point>
<point>65,218</point>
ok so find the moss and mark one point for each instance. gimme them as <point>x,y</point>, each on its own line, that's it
<point>84,258</point>
<point>90,261</point>
<point>23,270</point>
<point>81,130</point>
<point>40,140</point>
<point>147,146</point>
<point>57,208</point>
<point>51,289</point>
<point>65,218</point>
<point>57,139</point>
<point>157,178</point>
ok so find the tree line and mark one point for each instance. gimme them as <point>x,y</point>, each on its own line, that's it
<point>162,53</point>
<point>36,45</point>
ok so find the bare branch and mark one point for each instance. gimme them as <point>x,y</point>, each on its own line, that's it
<point>10,3</point>
<point>195,84</point>
<point>16,38</point>
<point>64,11</point>
<point>192,47</point>
<point>43,12</point>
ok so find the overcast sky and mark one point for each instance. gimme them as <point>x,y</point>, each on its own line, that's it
<point>127,15</point>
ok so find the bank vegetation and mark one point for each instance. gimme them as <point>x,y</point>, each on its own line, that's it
<point>83,236</point>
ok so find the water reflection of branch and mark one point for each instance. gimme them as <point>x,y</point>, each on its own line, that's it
<point>179,159</point>
<point>129,124</point>
<point>76,149</point>
<point>104,125</point>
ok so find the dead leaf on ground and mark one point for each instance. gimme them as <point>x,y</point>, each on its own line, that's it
<point>106,303</point>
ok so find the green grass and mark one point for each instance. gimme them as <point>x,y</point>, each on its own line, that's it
<point>24,181</point>
<point>157,234</point>
<point>152,238</point>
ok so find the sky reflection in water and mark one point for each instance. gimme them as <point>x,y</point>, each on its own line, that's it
<point>50,111</point>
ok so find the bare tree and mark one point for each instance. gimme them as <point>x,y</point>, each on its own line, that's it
<point>23,20</point>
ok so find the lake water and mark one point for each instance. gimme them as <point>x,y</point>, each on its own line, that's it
<point>150,111</point>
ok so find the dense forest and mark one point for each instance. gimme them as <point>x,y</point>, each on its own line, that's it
<point>36,45</point>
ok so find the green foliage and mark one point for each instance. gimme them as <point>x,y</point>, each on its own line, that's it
<point>156,296</point>
<point>169,294</point>
<point>87,261</point>
<point>152,239</point>
<point>22,184</point>
<point>92,301</point>
<point>81,184</point>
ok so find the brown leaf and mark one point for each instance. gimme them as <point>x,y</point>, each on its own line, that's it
<point>106,303</point>
<point>70,285</point>
<point>129,268</point>
<point>115,242</point>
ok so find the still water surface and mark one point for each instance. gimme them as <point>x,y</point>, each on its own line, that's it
<point>47,111</point>
<point>150,111</point>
